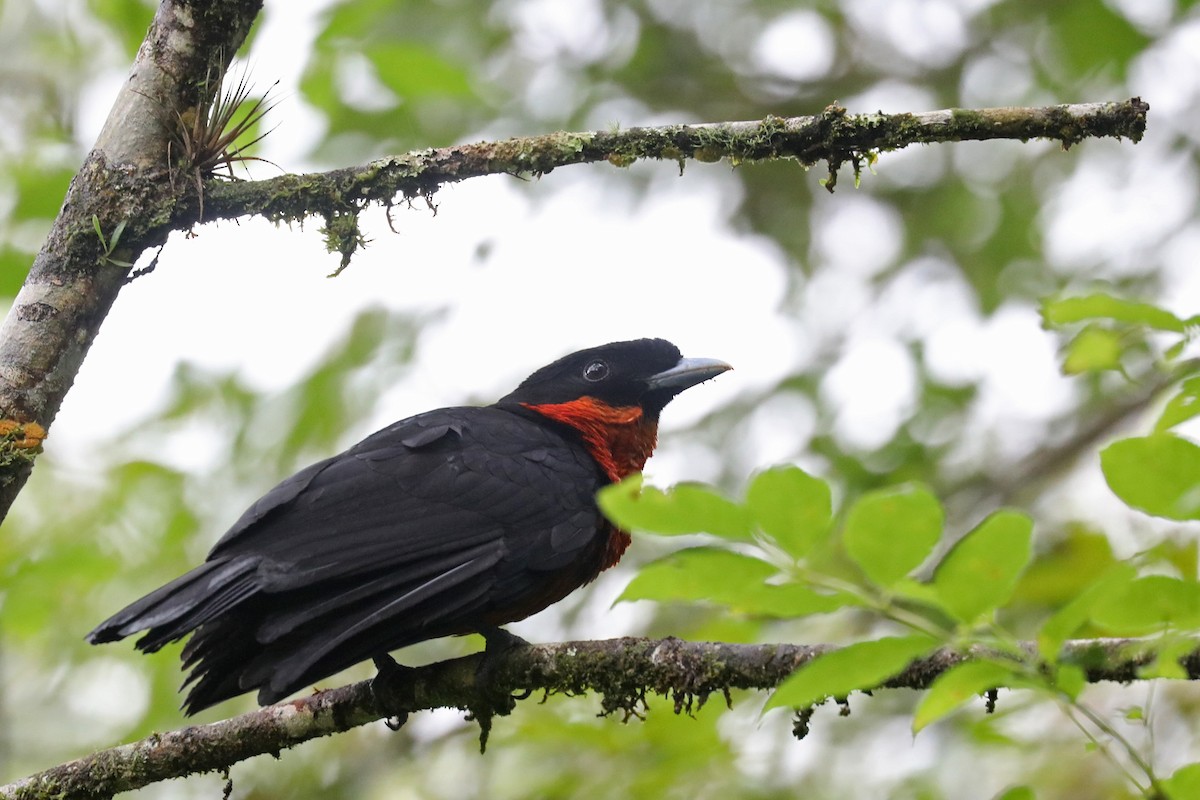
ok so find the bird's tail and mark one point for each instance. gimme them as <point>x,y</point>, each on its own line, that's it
<point>171,612</point>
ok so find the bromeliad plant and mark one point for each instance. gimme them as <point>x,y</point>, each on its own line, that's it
<point>211,137</point>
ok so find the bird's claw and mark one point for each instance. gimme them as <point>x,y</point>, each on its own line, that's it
<point>499,642</point>
<point>384,685</point>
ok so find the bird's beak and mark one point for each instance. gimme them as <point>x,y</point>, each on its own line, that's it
<point>688,372</point>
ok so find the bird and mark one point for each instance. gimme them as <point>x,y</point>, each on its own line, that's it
<point>450,522</point>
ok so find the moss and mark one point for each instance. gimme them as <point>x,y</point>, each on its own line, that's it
<point>1069,128</point>
<point>833,136</point>
<point>965,119</point>
<point>537,155</point>
<point>342,235</point>
<point>625,676</point>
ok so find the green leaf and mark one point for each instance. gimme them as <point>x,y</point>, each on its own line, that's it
<point>864,665</point>
<point>126,19</point>
<point>1061,572</point>
<point>1158,474</point>
<point>40,188</point>
<point>1017,793</point>
<point>1070,679</point>
<point>1094,349</point>
<point>1168,657</point>
<point>729,578</point>
<point>791,600</point>
<point>981,571</point>
<point>116,234</point>
<point>1148,605</point>
<point>1184,783</point>
<point>889,533</point>
<point>414,70</point>
<point>1104,306</point>
<point>1111,39</point>
<point>1182,555</point>
<point>1071,617</point>
<point>792,507</point>
<point>957,685</point>
<point>1182,407</point>
<point>699,573</point>
<point>14,264</point>
<point>686,508</point>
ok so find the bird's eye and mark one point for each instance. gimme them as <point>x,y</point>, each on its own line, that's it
<point>595,371</point>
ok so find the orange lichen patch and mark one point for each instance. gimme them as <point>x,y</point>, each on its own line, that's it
<point>22,435</point>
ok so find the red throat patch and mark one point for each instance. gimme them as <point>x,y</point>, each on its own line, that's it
<point>620,438</point>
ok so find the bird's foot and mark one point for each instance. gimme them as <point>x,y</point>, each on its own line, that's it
<point>494,700</point>
<point>384,685</point>
<point>499,642</point>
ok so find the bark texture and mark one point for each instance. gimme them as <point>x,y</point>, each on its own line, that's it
<point>125,179</point>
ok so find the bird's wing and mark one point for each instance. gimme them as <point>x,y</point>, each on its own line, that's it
<point>439,524</point>
<point>422,497</point>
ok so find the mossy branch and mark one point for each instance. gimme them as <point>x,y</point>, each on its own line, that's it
<point>623,671</point>
<point>835,137</point>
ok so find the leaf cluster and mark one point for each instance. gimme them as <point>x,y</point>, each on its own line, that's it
<point>784,552</point>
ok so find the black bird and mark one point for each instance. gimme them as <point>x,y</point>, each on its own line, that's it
<point>454,521</point>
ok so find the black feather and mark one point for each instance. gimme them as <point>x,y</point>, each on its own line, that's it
<point>445,523</point>
<point>402,538</point>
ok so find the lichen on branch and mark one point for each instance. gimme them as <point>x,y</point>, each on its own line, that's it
<point>833,136</point>
<point>623,671</point>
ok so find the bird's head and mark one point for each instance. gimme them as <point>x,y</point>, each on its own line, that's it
<point>644,374</point>
<point>612,396</point>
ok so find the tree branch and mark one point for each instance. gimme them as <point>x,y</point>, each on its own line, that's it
<point>834,136</point>
<point>623,671</point>
<point>75,278</point>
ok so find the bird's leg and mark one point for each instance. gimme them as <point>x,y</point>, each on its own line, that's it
<point>499,642</point>
<point>493,702</point>
<point>387,666</point>
<point>383,684</point>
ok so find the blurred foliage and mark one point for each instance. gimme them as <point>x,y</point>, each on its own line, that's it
<point>975,231</point>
